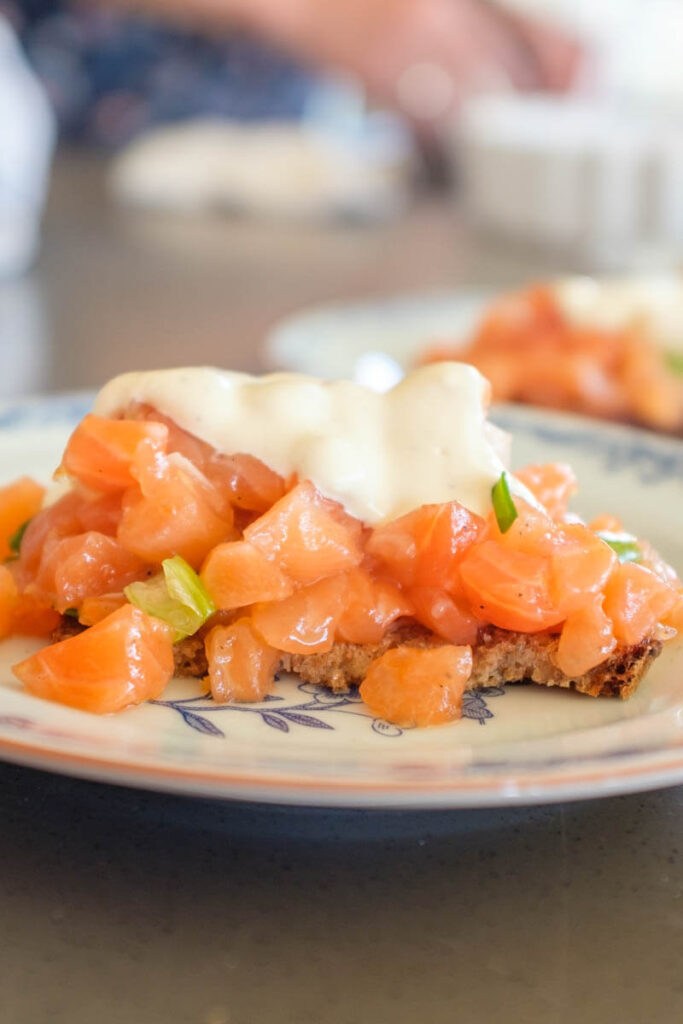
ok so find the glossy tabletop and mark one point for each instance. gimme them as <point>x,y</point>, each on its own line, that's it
<point>121,906</point>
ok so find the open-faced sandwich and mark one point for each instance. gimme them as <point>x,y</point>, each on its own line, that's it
<point>225,526</point>
<point>610,348</point>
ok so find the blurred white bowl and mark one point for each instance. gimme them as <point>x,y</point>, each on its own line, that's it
<point>575,174</point>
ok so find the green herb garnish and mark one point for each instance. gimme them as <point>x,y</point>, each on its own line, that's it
<point>674,361</point>
<point>17,537</point>
<point>177,596</point>
<point>503,505</point>
<point>71,612</point>
<point>624,544</point>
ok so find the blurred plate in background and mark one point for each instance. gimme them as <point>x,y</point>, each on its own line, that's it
<point>334,341</point>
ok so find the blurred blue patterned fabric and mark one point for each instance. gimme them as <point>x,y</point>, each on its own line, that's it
<point>110,75</point>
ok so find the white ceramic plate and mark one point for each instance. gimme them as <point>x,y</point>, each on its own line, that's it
<point>305,746</point>
<point>334,341</point>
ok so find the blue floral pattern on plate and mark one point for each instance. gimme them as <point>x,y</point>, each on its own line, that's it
<point>312,713</point>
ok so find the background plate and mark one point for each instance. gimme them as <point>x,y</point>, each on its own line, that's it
<point>328,341</point>
<point>308,747</point>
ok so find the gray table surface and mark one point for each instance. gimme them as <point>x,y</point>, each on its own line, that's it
<point>124,906</point>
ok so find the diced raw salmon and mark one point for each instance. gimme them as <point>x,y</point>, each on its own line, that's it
<point>237,574</point>
<point>100,451</point>
<point>652,560</point>
<point>413,687</point>
<point>8,600</point>
<point>447,616</point>
<point>250,484</point>
<point>552,483</point>
<point>533,531</point>
<point>509,588</point>
<point>101,513</point>
<point>125,659</point>
<point>394,548</point>
<point>87,565</point>
<point>606,523</point>
<point>241,665</point>
<point>190,447</point>
<point>586,640</point>
<point>307,621</point>
<point>19,502</point>
<point>674,617</point>
<point>309,536</point>
<point>94,609</point>
<point>75,512</point>
<point>636,600</point>
<point>172,512</point>
<point>581,565</point>
<point>33,617</point>
<point>245,480</point>
<point>424,547</point>
<point>58,520</point>
<point>370,607</point>
<point>23,614</point>
<point>443,533</point>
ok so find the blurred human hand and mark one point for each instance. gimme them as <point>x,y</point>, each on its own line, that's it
<point>422,56</point>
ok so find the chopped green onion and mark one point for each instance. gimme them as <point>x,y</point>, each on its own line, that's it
<point>153,598</point>
<point>71,612</point>
<point>185,586</point>
<point>674,361</point>
<point>624,544</point>
<point>177,596</point>
<point>503,505</point>
<point>17,537</point>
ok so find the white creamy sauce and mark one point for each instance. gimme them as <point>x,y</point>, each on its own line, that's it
<point>654,303</point>
<point>424,441</point>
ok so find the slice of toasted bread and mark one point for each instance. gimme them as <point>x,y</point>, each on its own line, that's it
<point>499,657</point>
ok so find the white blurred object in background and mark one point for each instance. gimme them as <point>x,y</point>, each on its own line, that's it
<point>339,160</point>
<point>27,135</point>
<point>601,172</point>
<point>25,341</point>
<point>635,44</point>
<point>592,177</point>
